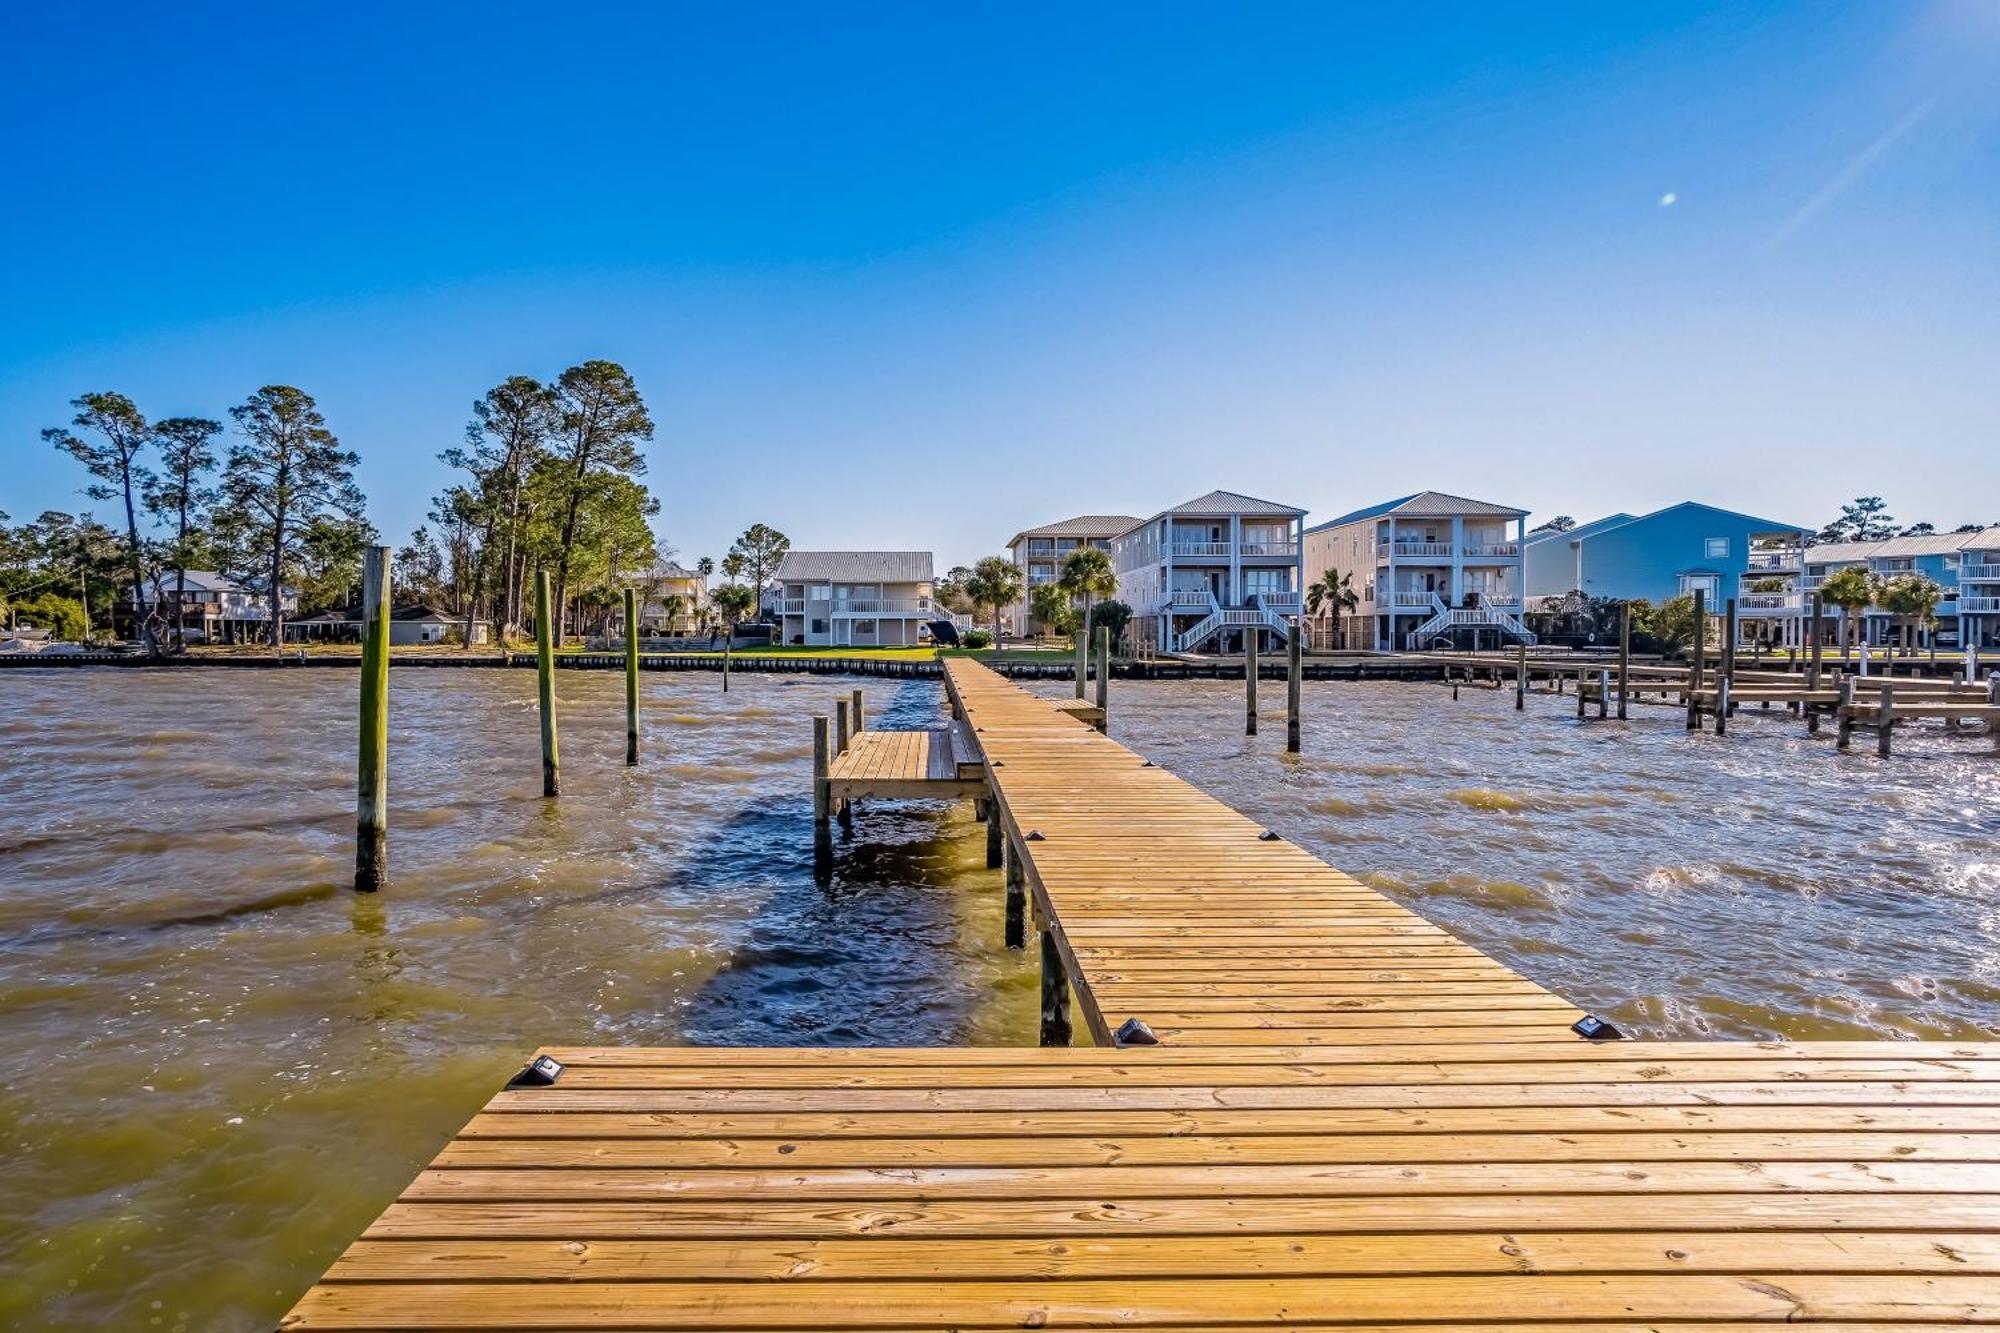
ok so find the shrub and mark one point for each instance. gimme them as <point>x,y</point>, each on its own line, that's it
<point>976,638</point>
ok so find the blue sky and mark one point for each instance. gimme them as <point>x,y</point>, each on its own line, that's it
<point>920,276</point>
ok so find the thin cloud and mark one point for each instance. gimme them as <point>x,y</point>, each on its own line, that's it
<point>1852,172</point>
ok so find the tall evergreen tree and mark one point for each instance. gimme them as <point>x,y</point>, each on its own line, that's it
<point>507,438</point>
<point>287,482</point>
<point>763,549</point>
<point>603,421</point>
<point>179,496</point>
<point>114,460</point>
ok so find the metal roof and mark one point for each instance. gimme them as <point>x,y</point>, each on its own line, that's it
<point>1083,525</point>
<point>1228,502</point>
<point>856,566</point>
<point>1425,504</point>
<point>1580,531</point>
<point>1939,543</point>
<point>1597,527</point>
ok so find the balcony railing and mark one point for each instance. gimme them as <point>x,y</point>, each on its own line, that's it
<point>1979,572</point>
<point>1414,550</point>
<point>1408,598</point>
<point>1768,601</point>
<point>875,606</point>
<point>1187,598</point>
<point>1492,550</point>
<point>1978,605</point>
<point>1779,560</point>
<point>1270,548</point>
<point>791,606</point>
<point>1200,548</point>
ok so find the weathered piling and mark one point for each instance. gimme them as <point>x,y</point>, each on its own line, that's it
<point>1081,638</point>
<point>545,683</point>
<point>371,791</point>
<point>822,763</point>
<point>839,727</point>
<point>1624,658</point>
<point>1250,684</point>
<point>631,676</point>
<point>728,638</point>
<point>1521,677</point>
<point>1104,677</point>
<point>1017,900</point>
<point>1846,733</point>
<point>1728,662</point>
<point>1294,673</point>
<point>1818,614</point>
<point>1699,662</point>
<point>996,836</point>
<point>1885,713</point>
<point>1055,994</point>
<point>1604,693</point>
<point>1721,704</point>
<point>855,702</point>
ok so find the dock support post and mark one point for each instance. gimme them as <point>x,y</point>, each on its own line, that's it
<point>1081,638</point>
<point>371,792</point>
<point>1885,719</point>
<point>1250,686</point>
<point>1721,704</point>
<point>839,727</point>
<point>1520,677</point>
<point>1055,994</point>
<point>994,836</point>
<point>1699,662</point>
<point>631,676</point>
<point>1104,679</point>
<point>855,702</point>
<point>545,684</point>
<point>822,761</point>
<point>1624,658</point>
<point>1812,669</point>
<point>1017,900</point>
<point>1579,692</point>
<point>1604,695</point>
<point>1727,663</point>
<point>1294,668</point>
<point>1846,713</point>
<point>1971,664</point>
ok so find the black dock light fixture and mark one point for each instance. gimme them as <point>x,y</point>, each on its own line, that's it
<point>1592,1028</point>
<point>1135,1032</point>
<point>1268,836</point>
<point>539,1072</point>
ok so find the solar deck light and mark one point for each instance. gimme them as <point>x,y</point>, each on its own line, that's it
<point>1592,1028</point>
<point>1268,836</point>
<point>1035,835</point>
<point>539,1072</point>
<point>1134,1032</point>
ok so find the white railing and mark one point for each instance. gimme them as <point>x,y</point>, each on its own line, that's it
<point>1978,605</point>
<point>1979,572</point>
<point>1401,597</point>
<point>791,606</point>
<point>1768,601</point>
<point>1490,550</point>
<point>1200,548</point>
<point>1414,550</point>
<point>1189,599</point>
<point>1284,603</point>
<point>875,606</point>
<point>1270,548</point>
<point>1778,560</point>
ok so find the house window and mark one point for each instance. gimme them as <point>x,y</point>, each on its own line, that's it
<point>1266,581</point>
<point>1716,548</point>
<point>1706,584</point>
<point>819,627</point>
<point>864,627</point>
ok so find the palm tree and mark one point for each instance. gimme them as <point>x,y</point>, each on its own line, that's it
<point>1913,599</point>
<point>673,605</point>
<point>1087,573</point>
<point>1852,590</point>
<point>1051,605</point>
<point>995,582</point>
<point>734,601</point>
<point>1333,593</point>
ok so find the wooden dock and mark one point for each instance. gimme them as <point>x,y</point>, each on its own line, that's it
<point>1352,1121</point>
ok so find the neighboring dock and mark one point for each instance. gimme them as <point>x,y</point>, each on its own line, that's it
<point>1352,1120</point>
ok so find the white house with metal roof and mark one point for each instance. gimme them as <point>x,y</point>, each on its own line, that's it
<point>1966,565</point>
<point>1039,553</point>
<point>1211,571</point>
<point>854,598</point>
<point>1427,569</point>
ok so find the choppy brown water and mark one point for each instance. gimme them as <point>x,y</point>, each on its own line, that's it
<point>219,1063</point>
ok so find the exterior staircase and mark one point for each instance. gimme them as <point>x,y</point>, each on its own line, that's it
<point>1444,618</point>
<point>1264,612</point>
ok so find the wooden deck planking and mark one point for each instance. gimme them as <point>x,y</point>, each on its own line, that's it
<point>1124,860</point>
<point>974,1204</point>
<point>900,764</point>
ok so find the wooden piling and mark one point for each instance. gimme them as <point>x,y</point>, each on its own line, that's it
<point>1721,704</point>
<point>1885,719</point>
<point>631,676</point>
<point>995,838</point>
<point>822,762</point>
<point>1846,735</point>
<point>1520,677</point>
<point>1017,899</point>
<point>1818,613</point>
<point>839,727</point>
<point>1294,670</point>
<point>371,793</point>
<point>1081,639</point>
<point>1624,658</point>
<point>1250,686</point>
<point>1055,994</point>
<point>1604,694</point>
<point>1104,678</point>
<point>1727,665</point>
<point>855,717</point>
<point>1697,666</point>
<point>728,639</point>
<point>545,683</point>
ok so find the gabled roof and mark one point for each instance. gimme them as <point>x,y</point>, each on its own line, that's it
<point>671,569</point>
<point>1225,503</point>
<point>1424,504</point>
<point>856,566</point>
<point>1083,525</point>
<point>1580,531</point>
<point>1937,543</point>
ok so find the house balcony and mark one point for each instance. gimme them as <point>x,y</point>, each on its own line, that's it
<point>1413,550</point>
<point>790,606</point>
<point>1286,549</point>
<point>1978,606</point>
<point>881,606</point>
<point>1413,599</point>
<point>1492,550</point>
<point>1769,601</point>
<point>1979,572</point>
<point>1774,562</point>
<point>1182,550</point>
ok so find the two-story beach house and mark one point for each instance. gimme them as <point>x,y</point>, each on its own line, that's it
<point>854,598</point>
<point>1965,565</point>
<point>213,607</point>
<point>1428,569</point>
<point>1676,551</point>
<point>670,601</point>
<point>1039,553</point>
<point>1211,571</point>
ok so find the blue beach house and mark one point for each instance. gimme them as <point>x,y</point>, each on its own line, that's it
<point>1966,565</point>
<point>1681,549</point>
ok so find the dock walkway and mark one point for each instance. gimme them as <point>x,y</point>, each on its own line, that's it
<point>1354,1121</point>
